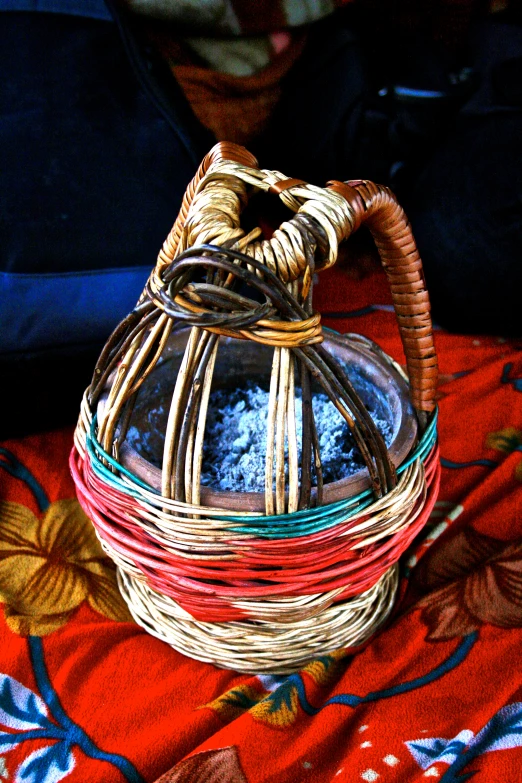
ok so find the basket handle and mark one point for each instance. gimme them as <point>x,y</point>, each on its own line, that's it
<point>376,207</point>
<point>223,150</point>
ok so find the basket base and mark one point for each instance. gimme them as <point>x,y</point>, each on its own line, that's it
<point>257,647</point>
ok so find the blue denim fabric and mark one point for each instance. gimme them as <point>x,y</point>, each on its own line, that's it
<point>91,9</point>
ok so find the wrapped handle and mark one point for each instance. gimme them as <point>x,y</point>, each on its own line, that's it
<point>326,217</point>
<point>377,208</point>
<point>223,150</point>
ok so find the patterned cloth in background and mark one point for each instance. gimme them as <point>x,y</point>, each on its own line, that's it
<point>235,17</point>
<point>234,107</point>
<point>230,56</point>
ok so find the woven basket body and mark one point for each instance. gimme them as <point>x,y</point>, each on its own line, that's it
<point>260,581</point>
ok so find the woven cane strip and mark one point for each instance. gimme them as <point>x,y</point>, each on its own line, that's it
<point>166,547</point>
<point>197,537</point>
<point>223,150</point>
<point>214,218</point>
<point>173,514</point>
<point>280,322</point>
<point>257,647</point>
<point>206,599</point>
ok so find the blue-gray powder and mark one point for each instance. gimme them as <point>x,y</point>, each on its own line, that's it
<point>234,451</point>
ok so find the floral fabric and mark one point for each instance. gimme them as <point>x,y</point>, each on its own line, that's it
<point>86,695</point>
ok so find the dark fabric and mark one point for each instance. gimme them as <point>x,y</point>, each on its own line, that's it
<point>91,9</point>
<point>97,145</point>
<point>466,204</point>
<point>316,127</point>
<point>466,210</point>
<point>443,132</point>
<point>91,173</point>
<point>357,105</point>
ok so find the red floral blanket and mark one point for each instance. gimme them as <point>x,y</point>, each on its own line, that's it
<point>86,695</point>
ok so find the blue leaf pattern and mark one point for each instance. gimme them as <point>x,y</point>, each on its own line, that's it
<point>502,732</point>
<point>8,741</point>
<point>28,716</point>
<point>21,708</point>
<point>431,750</point>
<point>46,765</point>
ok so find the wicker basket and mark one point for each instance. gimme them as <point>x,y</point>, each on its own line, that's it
<point>261,582</point>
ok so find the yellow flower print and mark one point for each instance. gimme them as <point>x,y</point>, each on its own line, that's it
<point>278,708</point>
<point>281,707</point>
<point>508,440</point>
<point>49,566</point>
<point>236,701</point>
<point>325,670</point>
